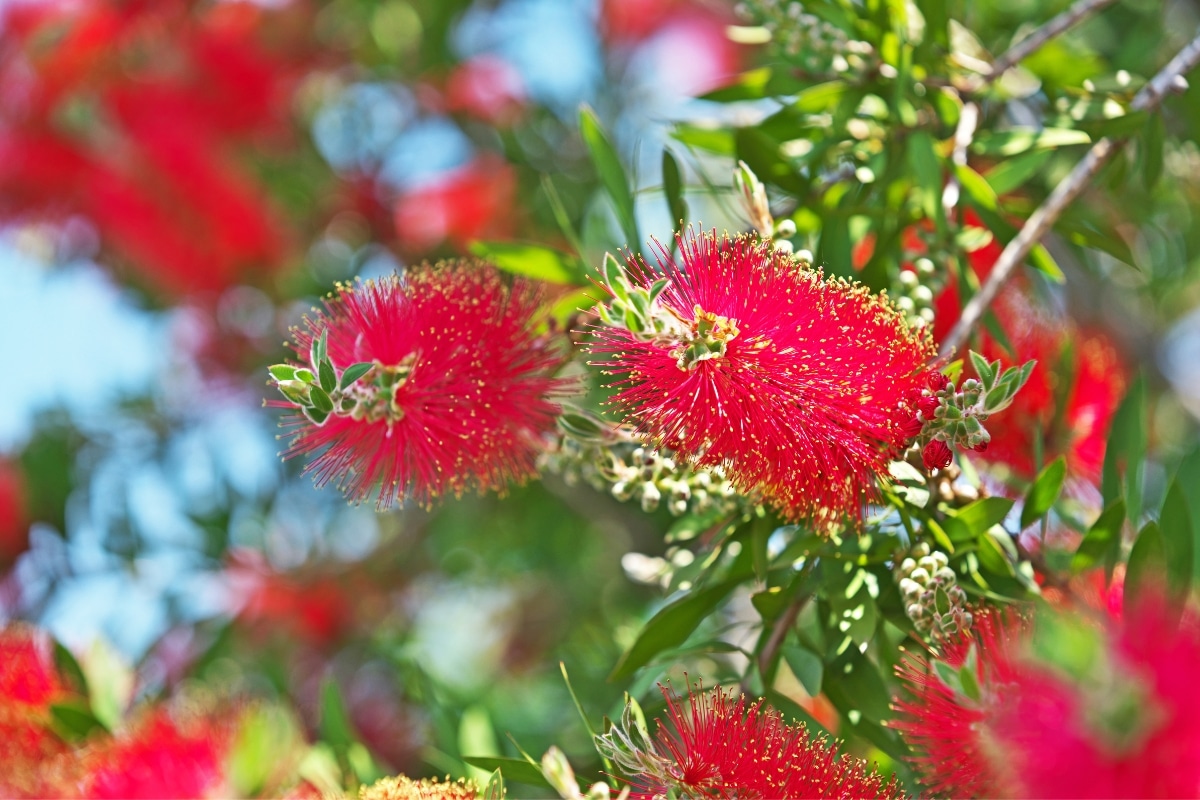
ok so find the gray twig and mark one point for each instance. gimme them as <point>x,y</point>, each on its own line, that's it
<point>1168,79</point>
<point>1079,11</point>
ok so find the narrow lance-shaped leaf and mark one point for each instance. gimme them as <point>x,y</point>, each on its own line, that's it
<point>673,188</point>
<point>1043,492</point>
<point>612,174</point>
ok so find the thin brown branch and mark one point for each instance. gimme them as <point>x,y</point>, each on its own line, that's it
<point>770,650</point>
<point>1078,12</point>
<point>1169,78</point>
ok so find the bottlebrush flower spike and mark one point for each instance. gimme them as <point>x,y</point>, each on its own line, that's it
<point>721,748</point>
<point>1066,707</point>
<point>800,386</point>
<point>442,384</point>
<point>944,725</point>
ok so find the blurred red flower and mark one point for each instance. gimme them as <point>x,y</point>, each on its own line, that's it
<point>472,202</point>
<point>14,515</point>
<point>721,748</point>
<point>315,608</point>
<point>28,685</point>
<point>462,379</point>
<point>133,114</point>
<point>1067,406</point>
<point>161,758</point>
<point>486,87</point>
<point>1110,710</point>
<point>805,386</point>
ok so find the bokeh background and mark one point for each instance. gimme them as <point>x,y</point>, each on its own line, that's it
<point>181,181</point>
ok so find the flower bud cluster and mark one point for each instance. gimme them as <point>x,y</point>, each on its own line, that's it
<point>953,417</point>
<point>933,600</point>
<point>814,44</point>
<point>613,461</point>
<point>913,292</point>
<point>360,391</point>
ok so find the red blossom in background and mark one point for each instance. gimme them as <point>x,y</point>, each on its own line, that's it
<point>811,394</point>
<point>944,729</point>
<point>28,685</point>
<point>315,608</point>
<point>132,115</point>
<point>470,377</point>
<point>1078,383</point>
<point>14,516</point>
<point>1125,722</point>
<point>472,202</point>
<point>486,87</point>
<point>722,748</point>
<point>161,758</point>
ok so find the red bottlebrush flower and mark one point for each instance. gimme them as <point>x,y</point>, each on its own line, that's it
<point>721,748</point>
<point>944,729</point>
<point>14,517</point>
<point>937,455</point>
<point>801,387</point>
<point>459,391</point>
<point>161,758</point>
<point>1124,721</point>
<point>28,685</point>
<point>27,675</point>
<point>634,20</point>
<point>466,204</point>
<point>133,115</point>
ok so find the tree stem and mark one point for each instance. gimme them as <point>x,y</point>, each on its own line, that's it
<point>1169,78</point>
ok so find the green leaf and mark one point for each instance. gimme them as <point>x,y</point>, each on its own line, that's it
<point>983,369</point>
<point>1125,452</point>
<point>713,140</point>
<point>1014,141</point>
<point>1043,492</point>
<point>315,416</point>
<point>68,667</point>
<point>974,519</point>
<point>305,375</point>
<point>319,350</point>
<point>320,400</point>
<point>1175,524</point>
<point>282,372</point>
<point>354,372</point>
<point>561,217</point>
<point>532,260</point>
<point>820,98</point>
<point>853,683</point>
<point>1103,538</point>
<point>494,790</point>
<point>1012,173</point>
<point>1041,260</point>
<point>927,168</point>
<point>612,174</point>
<point>74,720</point>
<point>980,191</point>
<point>327,376</point>
<point>1147,567</point>
<point>673,189</point>
<point>514,769</point>
<point>992,557</point>
<point>670,627</point>
<point>806,665</point>
<point>334,727</point>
